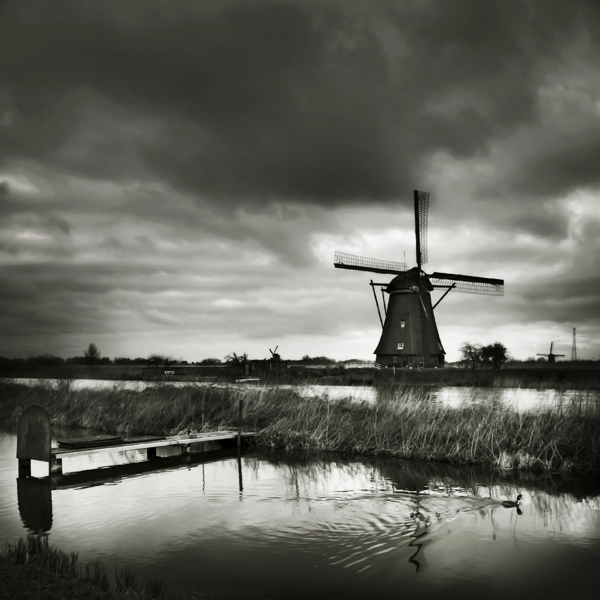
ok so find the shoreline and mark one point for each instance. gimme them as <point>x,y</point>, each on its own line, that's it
<point>583,375</point>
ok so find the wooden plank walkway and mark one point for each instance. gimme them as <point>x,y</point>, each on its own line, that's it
<point>150,445</point>
<point>134,444</point>
<point>34,441</point>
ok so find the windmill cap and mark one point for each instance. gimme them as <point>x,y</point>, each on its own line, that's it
<point>410,278</point>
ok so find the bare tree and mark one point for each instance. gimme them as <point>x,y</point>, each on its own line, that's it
<point>471,354</point>
<point>236,358</point>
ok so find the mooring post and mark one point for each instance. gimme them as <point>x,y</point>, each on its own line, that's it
<point>240,412</point>
<point>24,467</point>
<point>34,437</point>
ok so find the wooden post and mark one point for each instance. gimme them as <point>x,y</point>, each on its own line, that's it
<point>34,437</point>
<point>186,452</point>
<point>24,467</point>
<point>240,416</point>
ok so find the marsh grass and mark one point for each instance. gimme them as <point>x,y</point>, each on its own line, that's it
<point>36,550</point>
<point>404,422</point>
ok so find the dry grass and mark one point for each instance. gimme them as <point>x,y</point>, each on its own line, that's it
<point>402,423</point>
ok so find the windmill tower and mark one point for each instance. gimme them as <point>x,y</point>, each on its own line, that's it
<point>551,357</point>
<point>410,335</point>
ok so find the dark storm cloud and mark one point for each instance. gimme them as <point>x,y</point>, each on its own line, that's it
<point>570,291</point>
<point>541,224</point>
<point>563,170</point>
<point>324,102</point>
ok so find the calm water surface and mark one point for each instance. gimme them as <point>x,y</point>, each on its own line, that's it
<point>266,526</point>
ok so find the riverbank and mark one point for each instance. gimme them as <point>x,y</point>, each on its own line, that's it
<point>580,375</point>
<point>402,423</point>
<point>32,569</point>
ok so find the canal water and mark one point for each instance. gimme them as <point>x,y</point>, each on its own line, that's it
<point>262,525</point>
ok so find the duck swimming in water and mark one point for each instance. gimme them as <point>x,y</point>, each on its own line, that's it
<point>511,503</point>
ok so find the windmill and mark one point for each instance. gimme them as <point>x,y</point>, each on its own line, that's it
<point>274,355</point>
<point>551,357</point>
<point>410,335</point>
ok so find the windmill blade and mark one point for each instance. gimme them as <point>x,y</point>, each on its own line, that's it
<point>373,265</point>
<point>421,215</point>
<point>468,284</point>
<point>551,344</point>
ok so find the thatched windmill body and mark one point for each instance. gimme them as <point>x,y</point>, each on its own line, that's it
<point>410,335</point>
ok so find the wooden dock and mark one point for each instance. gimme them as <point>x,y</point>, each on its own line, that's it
<point>188,444</point>
<point>34,437</point>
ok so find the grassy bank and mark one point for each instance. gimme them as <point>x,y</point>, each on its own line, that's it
<point>31,568</point>
<point>402,423</point>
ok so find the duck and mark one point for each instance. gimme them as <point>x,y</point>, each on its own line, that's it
<point>511,503</point>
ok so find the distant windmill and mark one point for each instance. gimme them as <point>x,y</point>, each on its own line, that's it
<point>410,335</point>
<point>274,354</point>
<point>551,357</point>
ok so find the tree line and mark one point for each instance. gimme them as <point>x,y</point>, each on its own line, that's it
<point>478,356</point>
<point>93,356</point>
<point>473,355</point>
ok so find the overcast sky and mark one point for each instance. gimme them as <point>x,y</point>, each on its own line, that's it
<point>175,175</point>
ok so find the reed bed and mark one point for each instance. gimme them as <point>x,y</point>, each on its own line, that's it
<point>60,575</point>
<point>402,423</point>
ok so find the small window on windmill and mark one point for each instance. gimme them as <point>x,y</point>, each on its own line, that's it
<point>400,345</point>
<point>402,323</point>
<point>440,345</point>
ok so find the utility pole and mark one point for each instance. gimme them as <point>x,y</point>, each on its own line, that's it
<point>574,347</point>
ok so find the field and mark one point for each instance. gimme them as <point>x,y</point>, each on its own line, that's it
<point>402,423</point>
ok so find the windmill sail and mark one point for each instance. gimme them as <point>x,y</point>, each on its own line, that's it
<point>421,214</point>
<point>373,265</point>
<point>469,285</point>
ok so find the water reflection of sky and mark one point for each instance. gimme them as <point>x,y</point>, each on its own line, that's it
<point>301,528</point>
